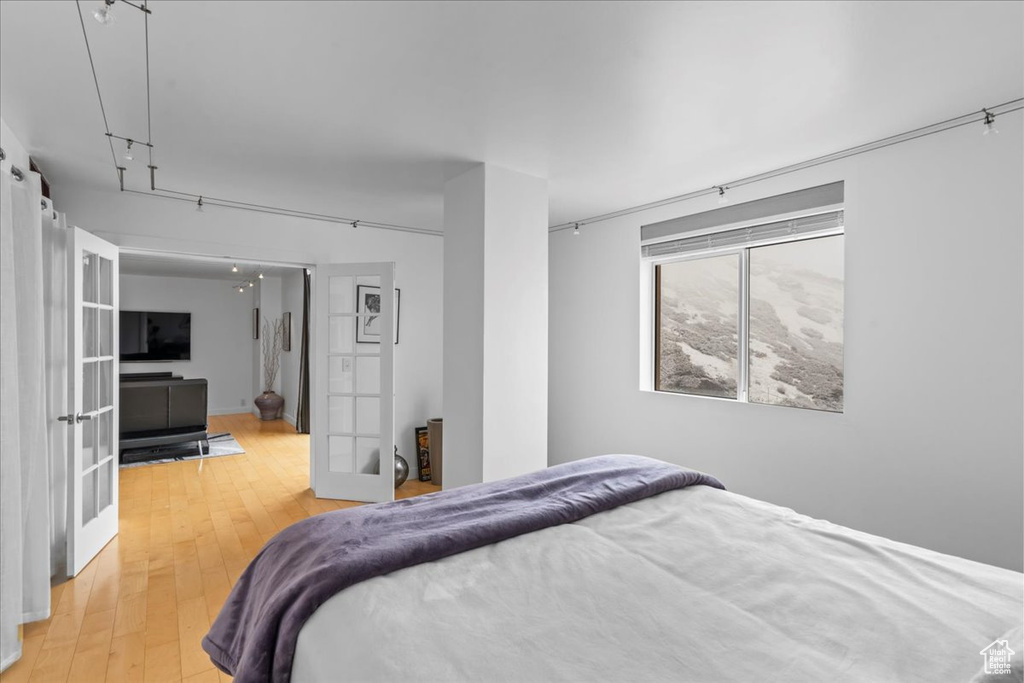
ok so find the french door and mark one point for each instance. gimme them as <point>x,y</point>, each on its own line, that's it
<point>352,389</point>
<point>93,394</point>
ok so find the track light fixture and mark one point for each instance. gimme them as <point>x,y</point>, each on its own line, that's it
<point>250,283</point>
<point>722,198</point>
<point>241,289</point>
<point>576,229</point>
<point>260,275</point>
<point>128,151</point>
<point>355,224</point>
<point>234,267</point>
<point>199,208</point>
<point>990,123</point>
<point>104,13</point>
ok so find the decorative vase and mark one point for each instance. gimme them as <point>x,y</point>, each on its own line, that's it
<point>269,405</point>
<point>435,430</point>
<point>401,469</point>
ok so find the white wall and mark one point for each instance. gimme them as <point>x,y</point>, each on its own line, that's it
<point>15,151</point>
<point>221,334</point>
<point>495,333</point>
<point>152,223</point>
<point>929,449</point>
<point>515,324</point>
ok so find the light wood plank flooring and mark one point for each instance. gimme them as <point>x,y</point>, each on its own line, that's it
<point>139,610</point>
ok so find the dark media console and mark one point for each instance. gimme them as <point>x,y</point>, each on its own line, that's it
<point>160,408</point>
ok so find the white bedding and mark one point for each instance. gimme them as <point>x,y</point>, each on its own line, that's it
<point>692,585</point>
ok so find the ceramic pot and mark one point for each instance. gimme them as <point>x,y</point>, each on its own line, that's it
<point>434,434</point>
<point>269,405</point>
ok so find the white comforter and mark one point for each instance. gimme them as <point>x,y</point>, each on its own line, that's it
<point>692,585</point>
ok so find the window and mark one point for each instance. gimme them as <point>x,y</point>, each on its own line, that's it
<point>796,324</point>
<point>753,314</point>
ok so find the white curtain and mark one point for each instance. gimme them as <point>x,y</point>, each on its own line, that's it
<point>55,296</point>
<point>25,503</point>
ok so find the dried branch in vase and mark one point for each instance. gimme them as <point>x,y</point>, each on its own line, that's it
<point>273,341</point>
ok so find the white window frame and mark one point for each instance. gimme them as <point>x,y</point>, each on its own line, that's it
<point>649,319</point>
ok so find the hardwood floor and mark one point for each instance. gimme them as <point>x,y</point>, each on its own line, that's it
<point>138,611</point>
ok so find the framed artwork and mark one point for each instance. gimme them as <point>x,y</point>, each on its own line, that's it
<point>368,301</point>
<point>255,323</point>
<point>286,339</point>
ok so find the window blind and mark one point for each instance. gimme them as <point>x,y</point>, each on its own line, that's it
<point>799,202</point>
<point>826,223</point>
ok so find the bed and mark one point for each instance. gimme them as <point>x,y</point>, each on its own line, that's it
<point>684,583</point>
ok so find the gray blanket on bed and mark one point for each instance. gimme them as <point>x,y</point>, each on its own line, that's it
<point>254,636</point>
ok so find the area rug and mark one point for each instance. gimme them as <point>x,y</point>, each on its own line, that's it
<point>215,445</point>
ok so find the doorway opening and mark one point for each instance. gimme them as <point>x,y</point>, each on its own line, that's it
<point>205,342</point>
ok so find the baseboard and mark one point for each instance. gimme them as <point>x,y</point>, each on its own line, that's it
<point>290,419</point>
<point>227,411</point>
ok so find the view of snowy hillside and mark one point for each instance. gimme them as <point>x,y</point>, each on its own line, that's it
<point>699,313</point>
<point>796,325</point>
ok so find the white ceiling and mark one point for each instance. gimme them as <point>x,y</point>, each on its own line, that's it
<point>167,265</point>
<point>365,109</point>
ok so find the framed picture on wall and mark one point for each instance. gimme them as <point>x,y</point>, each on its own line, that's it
<point>286,340</point>
<point>255,323</point>
<point>368,301</point>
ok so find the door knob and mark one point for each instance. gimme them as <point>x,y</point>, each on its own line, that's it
<point>82,417</point>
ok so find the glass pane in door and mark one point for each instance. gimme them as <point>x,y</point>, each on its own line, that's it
<point>97,421</point>
<point>105,481</point>
<point>89,496</point>
<point>353,374</point>
<point>90,277</point>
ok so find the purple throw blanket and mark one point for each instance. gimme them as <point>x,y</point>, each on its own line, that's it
<point>255,634</point>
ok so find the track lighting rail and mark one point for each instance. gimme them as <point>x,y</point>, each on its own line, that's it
<point>201,200</point>
<point>986,116</point>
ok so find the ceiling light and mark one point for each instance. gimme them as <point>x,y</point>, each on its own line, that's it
<point>260,276</point>
<point>128,151</point>
<point>199,208</point>
<point>722,198</point>
<point>234,267</point>
<point>240,288</point>
<point>250,283</point>
<point>104,13</point>
<point>355,224</point>
<point>576,229</point>
<point>990,123</point>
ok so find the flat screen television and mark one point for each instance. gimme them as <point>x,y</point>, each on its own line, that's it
<point>148,336</point>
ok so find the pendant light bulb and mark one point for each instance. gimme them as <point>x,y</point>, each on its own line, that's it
<point>104,14</point>
<point>251,283</point>
<point>128,151</point>
<point>260,276</point>
<point>576,229</point>
<point>990,123</point>
<point>240,289</point>
<point>234,267</point>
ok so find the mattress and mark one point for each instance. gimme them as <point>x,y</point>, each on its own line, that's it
<point>695,584</point>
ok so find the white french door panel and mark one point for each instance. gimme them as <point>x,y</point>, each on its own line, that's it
<point>93,389</point>
<point>353,388</point>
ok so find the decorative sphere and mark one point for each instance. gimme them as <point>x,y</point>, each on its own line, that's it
<point>401,469</point>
